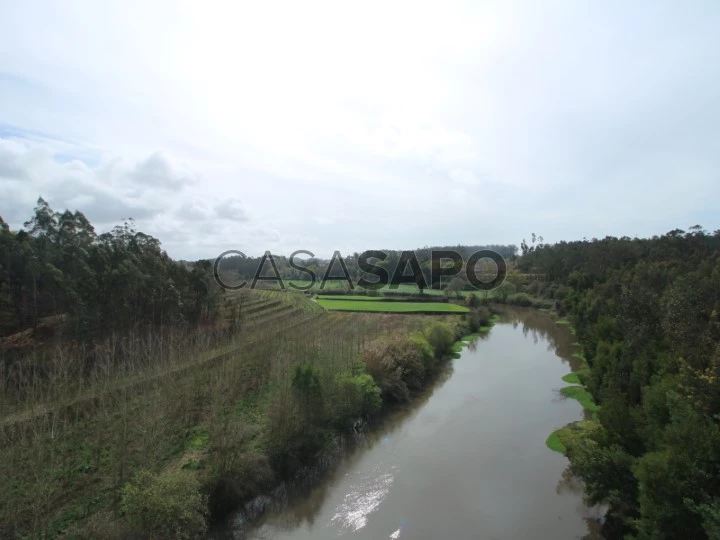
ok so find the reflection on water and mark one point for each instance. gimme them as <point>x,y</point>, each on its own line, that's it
<point>367,494</point>
<point>543,329</point>
<point>466,459</point>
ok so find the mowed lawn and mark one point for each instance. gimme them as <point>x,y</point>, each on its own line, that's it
<point>402,288</point>
<point>335,284</point>
<point>359,298</point>
<point>366,304</point>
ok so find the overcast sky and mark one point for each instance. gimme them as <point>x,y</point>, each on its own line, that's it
<point>321,126</point>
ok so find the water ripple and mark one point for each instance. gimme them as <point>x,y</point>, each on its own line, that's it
<point>364,497</point>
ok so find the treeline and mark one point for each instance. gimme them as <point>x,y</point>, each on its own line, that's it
<point>249,267</point>
<point>95,284</point>
<point>647,313</point>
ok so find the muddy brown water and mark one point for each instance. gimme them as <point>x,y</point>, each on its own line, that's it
<point>465,460</point>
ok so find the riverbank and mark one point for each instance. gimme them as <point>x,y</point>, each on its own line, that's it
<point>561,439</point>
<point>343,441</point>
<point>440,465</point>
<point>228,435</point>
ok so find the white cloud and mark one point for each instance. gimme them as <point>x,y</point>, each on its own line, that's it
<point>195,210</point>
<point>10,166</point>
<point>230,209</point>
<point>106,193</point>
<point>333,127</point>
<point>158,171</point>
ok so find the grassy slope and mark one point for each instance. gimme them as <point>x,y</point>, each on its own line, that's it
<point>362,298</point>
<point>404,288</point>
<point>575,376</point>
<point>582,395</point>
<point>391,307</point>
<point>358,298</point>
<point>466,340</point>
<point>559,439</point>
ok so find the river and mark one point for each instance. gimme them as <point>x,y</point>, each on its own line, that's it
<point>467,459</point>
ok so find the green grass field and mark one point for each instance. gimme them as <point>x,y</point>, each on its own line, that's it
<point>356,298</point>
<point>582,395</point>
<point>559,439</point>
<point>554,443</point>
<point>409,288</point>
<point>382,306</point>
<point>361,298</point>
<point>402,288</point>
<point>330,284</point>
<point>574,377</point>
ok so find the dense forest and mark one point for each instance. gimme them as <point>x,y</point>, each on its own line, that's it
<point>647,313</point>
<point>98,283</point>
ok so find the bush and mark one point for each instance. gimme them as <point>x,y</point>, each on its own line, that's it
<point>240,476</point>
<point>168,505</point>
<point>440,338</point>
<point>396,364</point>
<point>472,300</point>
<point>520,299</point>
<point>539,288</point>
<point>421,345</point>
<point>505,290</point>
<point>354,396</point>
<point>549,292</point>
<point>561,293</point>
<point>534,287</point>
<point>472,321</point>
<point>477,318</point>
<point>368,393</point>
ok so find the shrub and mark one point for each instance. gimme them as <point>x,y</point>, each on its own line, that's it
<point>243,475</point>
<point>534,287</point>
<point>477,318</point>
<point>369,394</point>
<point>520,299</point>
<point>504,291</point>
<point>561,292</point>
<point>421,345</point>
<point>408,358</point>
<point>549,291</point>
<point>472,321</point>
<point>168,505</point>
<point>440,338</point>
<point>472,300</point>
<point>354,396</point>
<point>484,316</point>
<point>396,364</point>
